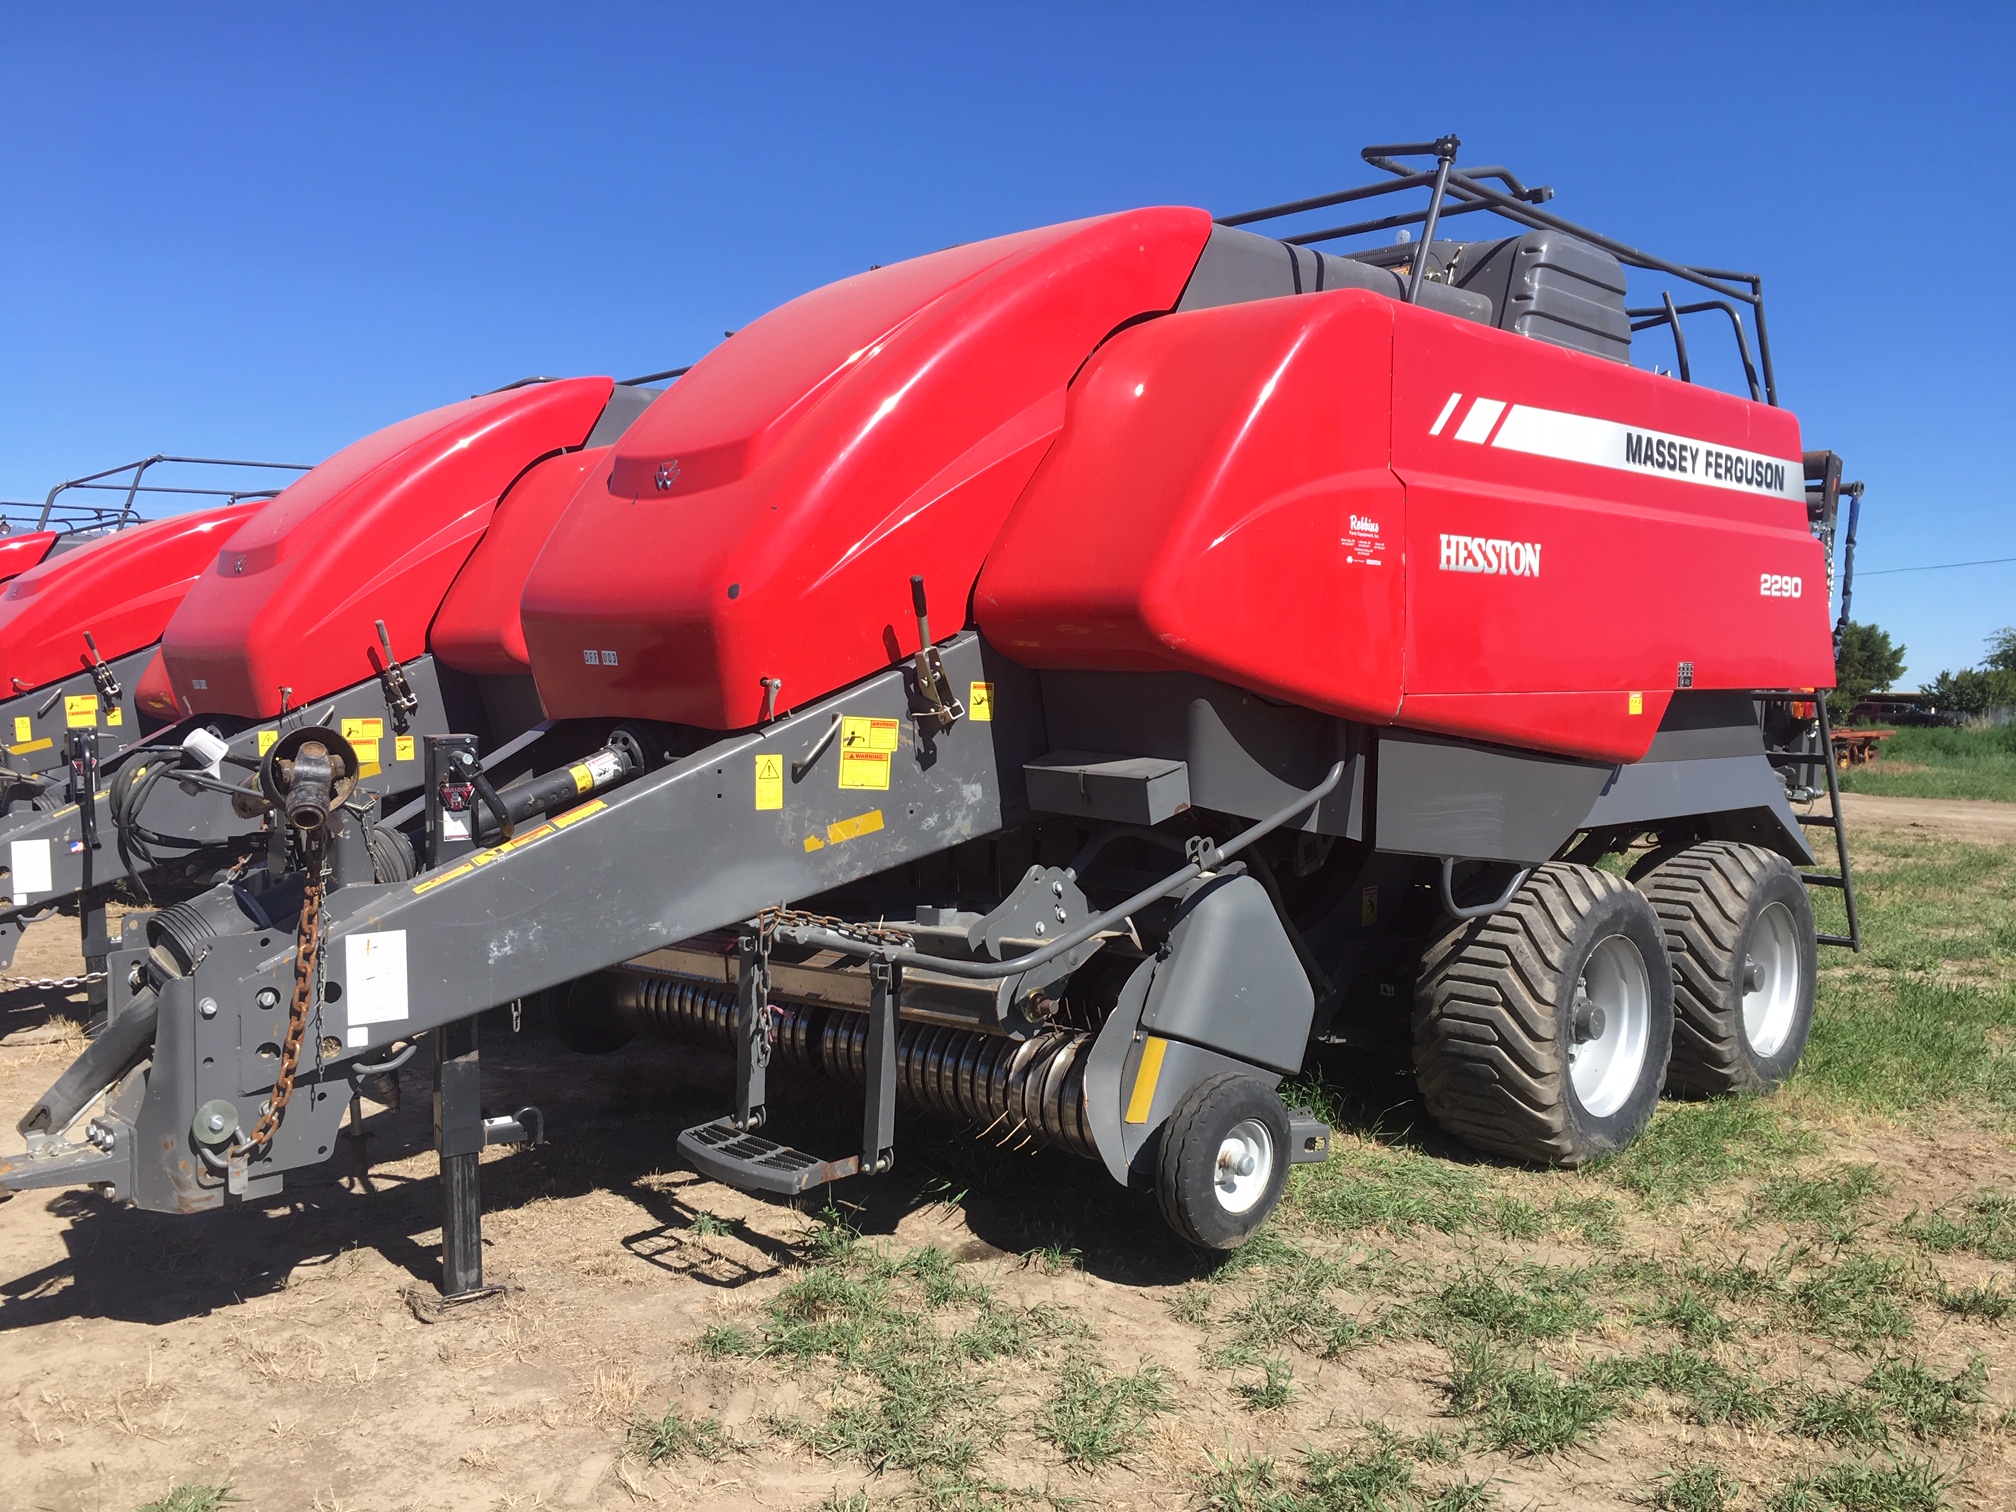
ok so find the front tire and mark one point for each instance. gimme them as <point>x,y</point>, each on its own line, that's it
<point>1739,931</point>
<point>1224,1160</point>
<point>1541,1032</point>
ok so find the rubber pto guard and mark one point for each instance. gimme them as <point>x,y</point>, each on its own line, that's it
<point>308,774</point>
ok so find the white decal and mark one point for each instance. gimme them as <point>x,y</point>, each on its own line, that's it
<point>1462,553</point>
<point>1443,418</point>
<point>374,971</point>
<point>1625,448</point>
<point>1778,585</point>
<point>31,869</point>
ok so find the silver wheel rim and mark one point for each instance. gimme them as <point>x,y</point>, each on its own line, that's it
<point>1773,964</point>
<point>1605,1065</point>
<point>1245,1166</point>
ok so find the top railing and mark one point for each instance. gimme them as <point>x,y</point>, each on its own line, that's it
<point>77,517</point>
<point>1453,192</point>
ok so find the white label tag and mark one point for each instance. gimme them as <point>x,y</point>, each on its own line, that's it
<point>454,826</point>
<point>31,869</point>
<point>374,970</point>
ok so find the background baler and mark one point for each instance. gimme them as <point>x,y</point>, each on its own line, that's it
<point>1304,659</point>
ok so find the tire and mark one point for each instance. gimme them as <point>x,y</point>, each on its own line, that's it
<point>1732,914</point>
<point>1499,1056</point>
<point>1207,1194</point>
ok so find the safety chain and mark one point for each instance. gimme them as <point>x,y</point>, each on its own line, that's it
<point>307,973</point>
<point>51,984</point>
<point>774,918</point>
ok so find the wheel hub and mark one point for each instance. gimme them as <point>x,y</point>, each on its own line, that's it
<point>1772,972</point>
<point>1611,1026</point>
<point>1245,1165</point>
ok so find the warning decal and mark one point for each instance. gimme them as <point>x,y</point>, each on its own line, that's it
<point>267,740</point>
<point>769,780</point>
<point>24,727</point>
<point>374,966</point>
<point>869,734</point>
<point>402,748</point>
<point>980,702</point>
<point>367,756</point>
<point>115,716</point>
<point>355,730</point>
<point>865,770</point>
<point>80,711</point>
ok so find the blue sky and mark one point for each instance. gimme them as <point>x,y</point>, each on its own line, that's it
<point>266,230</point>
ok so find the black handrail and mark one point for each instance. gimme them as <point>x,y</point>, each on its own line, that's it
<point>133,487</point>
<point>1518,204</point>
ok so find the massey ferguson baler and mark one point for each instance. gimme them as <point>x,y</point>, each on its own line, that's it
<point>378,593</point>
<point>1307,628</point>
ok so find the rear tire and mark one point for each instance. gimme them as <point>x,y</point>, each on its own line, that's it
<point>1224,1160</point>
<point>1541,1032</point>
<point>1739,931</point>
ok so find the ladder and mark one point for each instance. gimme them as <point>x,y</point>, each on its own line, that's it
<point>1806,760</point>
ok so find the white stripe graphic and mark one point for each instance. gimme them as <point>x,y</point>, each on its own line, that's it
<point>1443,418</point>
<point>1627,448</point>
<point>1476,426</point>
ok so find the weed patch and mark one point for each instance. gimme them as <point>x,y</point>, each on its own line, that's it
<point>1524,1407</point>
<point>1690,1147</point>
<point>1094,1416</point>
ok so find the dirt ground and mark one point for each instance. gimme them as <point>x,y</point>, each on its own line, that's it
<point>288,1351</point>
<point>1976,820</point>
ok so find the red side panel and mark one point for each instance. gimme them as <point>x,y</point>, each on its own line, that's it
<point>478,629</point>
<point>20,552</point>
<point>153,692</point>
<point>763,519</point>
<point>1220,502</point>
<point>1576,527</point>
<point>122,588</point>
<point>378,531</point>
<point>1577,539</point>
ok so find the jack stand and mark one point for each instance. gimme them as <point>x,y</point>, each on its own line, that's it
<point>459,1135</point>
<point>752,1032</point>
<point>96,943</point>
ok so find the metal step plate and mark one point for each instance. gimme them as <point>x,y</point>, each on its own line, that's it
<point>727,1154</point>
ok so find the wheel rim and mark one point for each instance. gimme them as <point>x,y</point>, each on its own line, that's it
<point>1245,1166</point>
<point>1608,1055</point>
<point>1772,963</point>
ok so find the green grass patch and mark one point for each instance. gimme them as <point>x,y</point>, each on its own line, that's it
<point>1520,1306</point>
<point>1523,1406</point>
<point>672,1436</point>
<point>1696,1488</point>
<point>1942,763</point>
<point>192,1499</point>
<point>1895,1486</point>
<point>1381,1475</point>
<point>1095,1415</point>
<point>1859,1303</point>
<point>1832,1200</point>
<point>1690,1147</point>
<point>1984,1225</point>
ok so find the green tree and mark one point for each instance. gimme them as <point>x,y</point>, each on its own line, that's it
<point>1866,663</point>
<point>2002,651</point>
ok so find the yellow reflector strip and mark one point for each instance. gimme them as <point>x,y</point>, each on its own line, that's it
<point>1145,1079</point>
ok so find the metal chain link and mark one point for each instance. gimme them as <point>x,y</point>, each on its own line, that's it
<point>774,918</point>
<point>307,973</point>
<point>52,984</point>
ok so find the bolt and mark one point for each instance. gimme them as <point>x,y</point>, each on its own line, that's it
<point>1060,913</point>
<point>1039,926</point>
<point>216,1122</point>
<point>1057,888</point>
<point>1753,975</point>
<point>208,1007</point>
<point>268,997</point>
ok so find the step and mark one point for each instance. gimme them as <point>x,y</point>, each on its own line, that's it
<point>727,1154</point>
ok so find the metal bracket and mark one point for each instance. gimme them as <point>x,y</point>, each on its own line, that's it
<point>752,1030</point>
<point>108,685</point>
<point>525,1127</point>
<point>401,702</point>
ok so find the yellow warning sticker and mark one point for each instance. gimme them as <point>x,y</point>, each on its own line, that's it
<point>355,730</point>
<point>583,778</point>
<point>980,703</point>
<point>812,843</point>
<point>525,839</point>
<point>80,711</point>
<point>869,735</point>
<point>26,746</point>
<point>24,727</point>
<point>852,829</point>
<point>865,769</point>
<point>267,740</point>
<point>1637,703</point>
<point>576,815</point>
<point>115,716</point>
<point>1142,1102</point>
<point>769,780</point>
<point>367,756</point>
<point>402,748</point>
<point>448,876</point>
